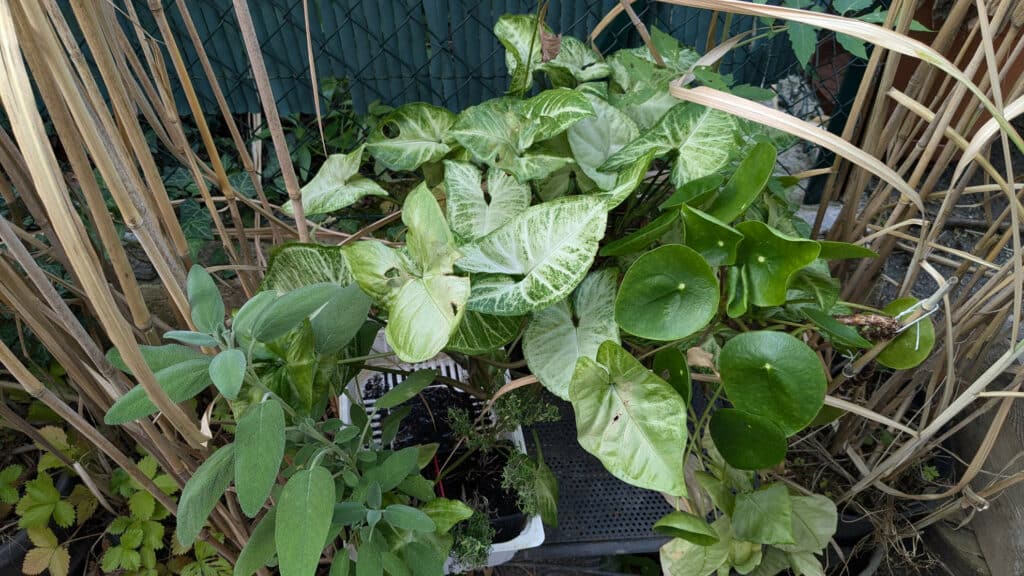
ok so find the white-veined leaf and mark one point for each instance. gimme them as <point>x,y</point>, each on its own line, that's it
<point>295,265</point>
<point>425,313</point>
<point>411,136</point>
<point>575,64</point>
<point>557,335</point>
<point>476,209</point>
<point>480,333</point>
<point>594,140</point>
<point>519,34</point>
<point>549,246</point>
<point>337,185</point>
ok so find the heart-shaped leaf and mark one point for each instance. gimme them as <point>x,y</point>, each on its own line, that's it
<point>411,136</point>
<point>425,313</point>
<point>815,519</point>
<point>764,516</point>
<point>302,526</point>
<point>575,64</point>
<point>295,265</point>
<point>775,376</point>
<point>746,183</point>
<point>594,140</point>
<point>480,333</point>
<point>913,345</point>
<point>519,34</point>
<point>476,209</point>
<point>259,448</point>
<point>550,246</point>
<point>227,370</point>
<point>770,259</point>
<point>379,270</point>
<point>747,441</point>
<point>429,240</point>
<point>337,185</point>
<point>685,558</point>
<point>713,239</point>
<point>556,336</point>
<point>667,294</point>
<point>688,527</point>
<point>631,420</point>
<point>552,112</point>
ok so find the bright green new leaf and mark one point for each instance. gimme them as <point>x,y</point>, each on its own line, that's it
<point>670,365</point>
<point>843,251</point>
<point>775,376</point>
<point>260,549</point>
<point>713,239</point>
<point>631,420</point>
<point>205,301</point>
<point>192,338</point>
<point>227,370</point>
<point>475,209</point>
<point>764,516</point>
<point>744,556</point>
<point>557,335</point>
<point>379,270</point>
<point>840,334</point>
<point>302,526</point>
<point>770,259</point>
<point>747,182</point>
<point>684,558</point>
<point>429,239</point>
<point>337,185</point>
<point>180,381</point>
<point>259,449</point>
<point>913,345</point>
<point>480,333</point>
<point>594,140</point>
<point>519,34</point>
<point>406,390</point>
<point>642,238</point>
<point>411,136</point>
<point>667,294</point>
<point>291,309</point>
<point>424,315</point>
<point>747,441</point>
<point>408,518</point>
<point>41,503</point>
<point>295,265</point>
<point>575,64</point>
<point>815,519</point>
<point>688,527</point>
<point>549,247</point>
<point>446,513</point>
<point>202,491</point>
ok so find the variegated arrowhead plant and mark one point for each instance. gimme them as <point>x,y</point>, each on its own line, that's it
<point>502,244</point>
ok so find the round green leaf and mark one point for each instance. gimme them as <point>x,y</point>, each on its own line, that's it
<point>227,370</point>
<point>913,345</point>
<point>715,240</point>
<point>747,441</point>
<point>770,259</point>
<point>667,294</point>
<point>670,365</point>
<point>688,527</point>
<point>775,376</point>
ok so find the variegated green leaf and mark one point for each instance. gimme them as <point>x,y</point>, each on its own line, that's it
<point>549,247</point>
<point>480,333</point>
<point>575,64</point>
<point>295,265</point>
<point>559,334</point>
<point>378,269</point>
<point>594,140</point>
<point>337,185</point>
<point>429,240</point>
<point>704,139</point>
<point>425,313</point>
<point>518,33</point>
<point>476,209</point>
<point>411,136</point>
<point>552,112</point>
<point>627,181</point>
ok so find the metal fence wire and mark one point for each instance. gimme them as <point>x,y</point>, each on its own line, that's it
<point>444,51</point>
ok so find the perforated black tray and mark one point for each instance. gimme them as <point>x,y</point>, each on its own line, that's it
<point>598,514</point>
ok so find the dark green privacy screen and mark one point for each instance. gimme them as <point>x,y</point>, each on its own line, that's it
<point>397,51</point>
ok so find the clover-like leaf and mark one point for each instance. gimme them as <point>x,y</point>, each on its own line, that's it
<point>549,248</point>
<point>713,239</point>
<point>770,259</point>
<point>631,420</point>
<point>667,294</point>
<point>411,136</point>
<point>573,328</point>
<point>337,185</point>
<point>747,441</point>
<point>475,208</point>
<point>775,376</point>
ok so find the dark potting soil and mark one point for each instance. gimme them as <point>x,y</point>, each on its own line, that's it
<point>477,479</point>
